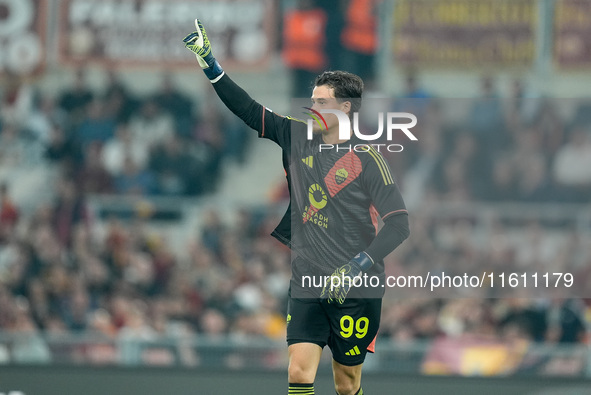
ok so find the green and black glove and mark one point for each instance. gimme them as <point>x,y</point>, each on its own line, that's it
<point>339,283</point>
<point>198,43</point>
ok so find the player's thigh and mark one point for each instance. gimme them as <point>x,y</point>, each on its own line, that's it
<point>308,331</point>
<point>354,327</point>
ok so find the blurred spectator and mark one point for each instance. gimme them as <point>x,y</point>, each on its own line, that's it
<point>92,177</point>
<point>486,117</point>
<point>359,38</point>
<point>279,192</point>
<point>571,166</point>
<point>565,324</point>
<point>120,104</point>
<point>9,214</point>
<point>62,148</point>
<point>134,180</point>
<point>503,183</point>
<point>17,102</point>
<point>176,170</point>
<point>39,301</point>
<point>534,184</point>
<point>29,346</point>
<point>151,125</point>
<point>335,10</point>
<point>12,147</point>
<point>212,232</point>
<point>14,266</point>
<point>525,319</point>
<point>136,329</point>
<point>304,37</point>
<point>42,118</point>
<point>582,116</point>
<point>136,326</point>
<point>75,99</point>
<point>210,146</point>
<point>164,263</point>
<point>452,183</point>
<point>97,126</point>
<point>236,137</point>
<point>101,323</point>
<point>77,309</point>
<point>415,98</point>
<point>181,107</point>
<point>69,210</point>
<point>213,323</point>
<point>477,166</point>
<point>550,124</point>
<point>120,147</point>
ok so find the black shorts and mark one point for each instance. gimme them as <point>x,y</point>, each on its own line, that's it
<point>349,329</point>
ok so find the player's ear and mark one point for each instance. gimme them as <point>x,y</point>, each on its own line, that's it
<point>346,107</point>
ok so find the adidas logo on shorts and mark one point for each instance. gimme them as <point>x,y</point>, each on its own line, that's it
<point>352,352</point>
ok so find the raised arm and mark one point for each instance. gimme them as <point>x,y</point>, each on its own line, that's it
<point>260,118</point>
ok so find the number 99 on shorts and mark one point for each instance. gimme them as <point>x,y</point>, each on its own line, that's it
<point>350,326</point>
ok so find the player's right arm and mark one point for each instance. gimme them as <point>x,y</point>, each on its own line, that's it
<point>263,120</point>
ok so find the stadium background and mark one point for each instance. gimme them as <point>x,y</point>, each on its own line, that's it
<point>135,210</point>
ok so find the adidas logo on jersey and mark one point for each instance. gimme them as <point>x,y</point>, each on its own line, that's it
<point>308,161</point>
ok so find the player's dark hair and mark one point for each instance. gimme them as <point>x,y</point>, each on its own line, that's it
<point>347,87</point>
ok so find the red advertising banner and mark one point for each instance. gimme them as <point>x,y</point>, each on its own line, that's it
<point>572,34</point>
<point>22,36</point>
<point>465,33</point>
<point>150,32</point>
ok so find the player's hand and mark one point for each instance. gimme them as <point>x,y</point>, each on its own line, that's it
<point>198,43</point>
<point>339,283</point>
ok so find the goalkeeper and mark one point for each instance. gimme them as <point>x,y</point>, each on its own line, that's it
<point>331,224</point>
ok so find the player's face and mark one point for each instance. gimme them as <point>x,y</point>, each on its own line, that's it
<point>323,99</point>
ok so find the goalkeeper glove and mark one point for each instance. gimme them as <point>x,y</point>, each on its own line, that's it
<point>198,43</point>
<point>339,283</point>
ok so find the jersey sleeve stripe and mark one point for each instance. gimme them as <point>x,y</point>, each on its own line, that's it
<point>386,166</point>
<point>263,123</point>
<point>382,165</point>
<point>296,119</point>
<point>394,212</point>
<point>379,164</point>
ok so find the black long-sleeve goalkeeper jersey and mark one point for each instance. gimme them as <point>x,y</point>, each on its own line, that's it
<point>335,195</point>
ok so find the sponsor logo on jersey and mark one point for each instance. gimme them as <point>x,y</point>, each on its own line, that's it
<point>318,200</point>
<point>317,196</point>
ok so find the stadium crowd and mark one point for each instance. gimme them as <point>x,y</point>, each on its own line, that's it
<point>60,274</point>
<point>116,142</point>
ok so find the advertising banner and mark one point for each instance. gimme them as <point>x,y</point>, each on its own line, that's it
<point>22,36</point>
<point>465,33</point>
<point>572,33</point>
<point>150,32</point>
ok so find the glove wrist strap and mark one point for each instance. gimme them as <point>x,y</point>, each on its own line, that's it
<point>214,71</point>
<point>363,260</point>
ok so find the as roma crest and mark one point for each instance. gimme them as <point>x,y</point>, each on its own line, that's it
<point>341,175</point>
